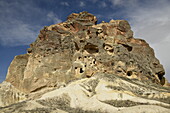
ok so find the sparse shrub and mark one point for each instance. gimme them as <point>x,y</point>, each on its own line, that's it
<point>123,103</point>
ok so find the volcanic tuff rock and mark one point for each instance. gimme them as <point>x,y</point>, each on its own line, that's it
<point>79,48</point>
<point>115,67</point>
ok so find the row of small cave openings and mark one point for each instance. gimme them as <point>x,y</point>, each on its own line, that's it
<point>129,73</point>
<point>92,49</point>
<point>85,65</point>
<point>80,69</point>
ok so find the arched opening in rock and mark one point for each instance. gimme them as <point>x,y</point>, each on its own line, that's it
<point>90,48</point>
<point>129,73</point>
<point>129,48</point>
<point>29,50</point>
<point>88,32</point>
<point>111,50</point>
<point>119,71</point>
<point>76,46</point>
<point>82,41</point>
<point>160,75</point>
<point>161,78</point>
<point>81,70</point>
<point>55,69</point>
<point>88,76</point>
<point>112,63</point>
<point>107,47</point>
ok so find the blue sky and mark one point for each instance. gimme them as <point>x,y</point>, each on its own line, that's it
<point>21,21</point>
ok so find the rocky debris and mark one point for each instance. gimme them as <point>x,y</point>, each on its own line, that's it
<point>10,95</point>
<point>102,93</point>
<point>79,48</point>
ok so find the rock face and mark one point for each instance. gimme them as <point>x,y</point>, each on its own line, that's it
<point>79,48</point>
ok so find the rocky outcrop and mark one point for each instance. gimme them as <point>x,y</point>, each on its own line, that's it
<point>79,50</point>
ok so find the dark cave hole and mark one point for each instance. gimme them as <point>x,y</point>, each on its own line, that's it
<point>29,50</point>
<point>90,48</point>
<point>97,33</point>
<point>77,48</point>
<point>155,64</point>
<point>160,75</point>
<point>88,76</point>
<point>129,73</point>
<point>88,32</point>
<point>129,48</point>
<point>81,70</point>
<point>82,41</point>
<point>111,50</point>
<point>119,71</point>
<point>161,78</point>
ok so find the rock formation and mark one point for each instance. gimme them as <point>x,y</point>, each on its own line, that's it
<point>87,67</point>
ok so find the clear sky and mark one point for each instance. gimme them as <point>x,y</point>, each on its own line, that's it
<point>21,21</point>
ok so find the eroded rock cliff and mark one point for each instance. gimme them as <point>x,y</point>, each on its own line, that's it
<point>79,48</point>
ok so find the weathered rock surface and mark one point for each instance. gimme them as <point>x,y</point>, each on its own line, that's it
<point>102,64</point>
<point>10,95</point>
<point>80,48</point>
<point>102,93</point>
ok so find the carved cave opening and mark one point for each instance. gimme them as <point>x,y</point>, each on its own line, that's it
<point>129,73</point>
<point>76,46</point>
<point>160,75</point>
<point>161,78</point>
<point>81,70</point>
<point>129,48</point>
<point>90,48</point>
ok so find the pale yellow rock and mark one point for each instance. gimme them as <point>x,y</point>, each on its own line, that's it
<point>10,95</point>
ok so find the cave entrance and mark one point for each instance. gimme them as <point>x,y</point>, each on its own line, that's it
<point>161,78</point>
<point>129,73</point>
<point>129,48</point>
<point>81,70</point>
<point>90,48</point>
